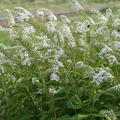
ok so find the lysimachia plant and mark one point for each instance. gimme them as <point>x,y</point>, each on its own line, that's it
<point>58,68</point>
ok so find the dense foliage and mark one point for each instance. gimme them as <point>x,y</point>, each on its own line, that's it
<point>60,69</point>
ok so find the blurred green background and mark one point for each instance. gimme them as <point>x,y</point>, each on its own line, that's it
<point>33,5</point>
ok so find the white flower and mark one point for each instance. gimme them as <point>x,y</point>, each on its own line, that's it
<point>14,36</point>
<point>101,31</point>
<point>22,14</point>
<point>58,37</point>
<point>19,80</point>
<point>115,88</point>
<point>1,28</point>
<point>81,27</point>
<point>54,69</point>
<point>59,52</point>
<point>49,54</point>
<point>11,18</point>
<point>109,13</point>
<point>40,91</point>
<point>65,30</point>
<point>44,41</point>
<point>116,22</point>
<point>52,91</point>
<point>69,61</point>
<point>51,26</point>
<point>28,30</point>
<point>116,34</point>
<point>26,62</point>
<point>5,29</point>
<point>35,80</point>
<point>88,70</point>
<point>50,16</point>
<point>56,62</point>
<point>105,51</point>
<point>13,77</point>
<point>79,65</point>
<point>26,54</point>
<point>98,69</point>
<point>110,115</point>
<point>64,19</point>
<point>1,56</point>
<point>26,37</point>
<point>54,77</point>
<point>40,13</point>
<point>116,45</point>
<point>76,6</point>
<point>112,60</point>
<point>101,18</point>
<point>102,76</point>
<point>53,56</point>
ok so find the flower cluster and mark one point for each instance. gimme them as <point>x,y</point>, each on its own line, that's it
<point>22,14</point>
<point>46,13</point>
<point>107,53</point>
<point>102,76</point>
<point>109,115</point>
<point>76,5</point>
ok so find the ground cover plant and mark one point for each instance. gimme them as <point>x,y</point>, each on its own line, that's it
<point>60,68</point>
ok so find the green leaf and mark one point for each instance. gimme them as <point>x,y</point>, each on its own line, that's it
<point>90,109</point>
<point>74,102</point>
<point>26,117</point>
<point>65,117</point>
<point>79,117</point>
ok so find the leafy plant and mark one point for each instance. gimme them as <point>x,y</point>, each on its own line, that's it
<point>60,69</point>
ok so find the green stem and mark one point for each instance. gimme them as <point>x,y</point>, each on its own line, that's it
<point>32,98</point>
<point>6,98</point>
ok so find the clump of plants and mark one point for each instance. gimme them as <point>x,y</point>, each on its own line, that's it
<point>60,69</point>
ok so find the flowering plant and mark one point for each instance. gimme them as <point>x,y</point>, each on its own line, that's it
<point>60,69</point>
